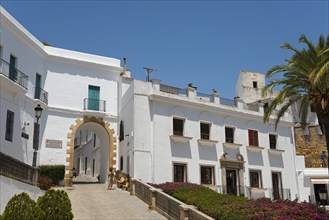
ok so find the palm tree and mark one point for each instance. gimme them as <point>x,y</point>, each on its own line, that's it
<point>305,81</point>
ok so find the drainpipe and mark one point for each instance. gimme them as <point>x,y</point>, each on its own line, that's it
<point>294,156</point>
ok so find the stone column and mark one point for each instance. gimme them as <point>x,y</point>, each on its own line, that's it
<point>132,186</point>
<point>153,198</point>
<point>238,102</point>
<point>215,98</point>
<point>183,212</point>
<point>190,92</point>
<point>261,107</point>
<point>155,85</point>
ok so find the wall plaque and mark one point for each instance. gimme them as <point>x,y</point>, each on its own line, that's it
<point>54,143</point>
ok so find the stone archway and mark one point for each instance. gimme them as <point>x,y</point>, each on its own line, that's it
<point>70,144</point>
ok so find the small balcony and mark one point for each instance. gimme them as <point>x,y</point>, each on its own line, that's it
<point>94,105</point>
<point>12,74</point>
<point>41,94</point>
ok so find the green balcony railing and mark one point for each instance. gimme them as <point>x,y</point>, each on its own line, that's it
<point>13,74</point>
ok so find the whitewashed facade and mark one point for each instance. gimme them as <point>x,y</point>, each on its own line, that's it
<point>151,131</point>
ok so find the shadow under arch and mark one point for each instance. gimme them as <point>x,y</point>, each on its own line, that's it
<point>106,135</point>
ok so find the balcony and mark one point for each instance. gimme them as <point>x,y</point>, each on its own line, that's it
<point>94,105</point>
<point>11,75</point>
<point>41,94</point>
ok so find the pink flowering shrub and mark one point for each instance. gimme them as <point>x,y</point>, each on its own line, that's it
<point>220,206</point>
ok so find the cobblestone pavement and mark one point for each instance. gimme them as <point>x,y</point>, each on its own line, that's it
<point>93,201</point>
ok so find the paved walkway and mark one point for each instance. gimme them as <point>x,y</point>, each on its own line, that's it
<point>93,201</point>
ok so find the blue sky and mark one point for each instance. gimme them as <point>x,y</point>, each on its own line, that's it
<point>206,43</point>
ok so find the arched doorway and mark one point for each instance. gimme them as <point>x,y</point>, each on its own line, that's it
<point>107,140</point>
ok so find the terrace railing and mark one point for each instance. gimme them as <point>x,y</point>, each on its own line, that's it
<point>229,102</point>
<point>41,94</point>
<point>13,74</point>
<point>94,104</point>
<point>18,170</point>
<point>204,96</point>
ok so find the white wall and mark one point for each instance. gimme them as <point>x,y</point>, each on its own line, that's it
<point>10,187</point>
<point>152,140</point>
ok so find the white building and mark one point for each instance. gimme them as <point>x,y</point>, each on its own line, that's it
<point>151,131</point>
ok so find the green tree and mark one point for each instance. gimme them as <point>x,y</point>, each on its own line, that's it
<point>305,81</point>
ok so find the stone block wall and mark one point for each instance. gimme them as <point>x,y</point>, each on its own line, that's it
<point>310,145</point>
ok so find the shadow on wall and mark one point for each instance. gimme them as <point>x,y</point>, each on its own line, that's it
<point>255,158</point>
<point>207,153</point>
<point>276,160</point>
<point>181,150</point>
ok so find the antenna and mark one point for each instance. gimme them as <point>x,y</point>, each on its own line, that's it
<point>148,72</point>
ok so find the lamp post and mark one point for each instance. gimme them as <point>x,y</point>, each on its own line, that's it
<point>36,134</point>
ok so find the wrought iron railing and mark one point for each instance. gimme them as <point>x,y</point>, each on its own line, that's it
<point>223,189</point>
<point>41,94</point>
<point>229,102</point>
<point>94,104</point>
<point>169,89</point>
<point>13,74</point>
<point>204,96</point>
<point>18,170</point>
<point>277,194</point>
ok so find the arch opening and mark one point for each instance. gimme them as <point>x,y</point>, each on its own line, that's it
<point>90,156</point>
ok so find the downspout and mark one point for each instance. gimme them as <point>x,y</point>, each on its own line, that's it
<point>294,156</point>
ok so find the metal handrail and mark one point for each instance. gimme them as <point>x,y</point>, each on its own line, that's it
<point>229,102</point>
<point>13,74</point>
<point>94,104</point>
<point>41,94</point>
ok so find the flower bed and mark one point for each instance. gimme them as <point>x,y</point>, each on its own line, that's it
<point>221,206</point>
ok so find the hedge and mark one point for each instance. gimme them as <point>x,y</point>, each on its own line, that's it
<point>54,172</point>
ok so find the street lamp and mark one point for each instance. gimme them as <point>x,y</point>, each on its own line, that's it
<point>36,134</point>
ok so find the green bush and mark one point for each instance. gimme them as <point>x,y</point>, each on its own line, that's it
<point>56,205</point>
<point>22,207</point>
<point>54,172</point>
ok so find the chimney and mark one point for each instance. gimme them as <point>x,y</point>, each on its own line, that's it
<point>124,66</point>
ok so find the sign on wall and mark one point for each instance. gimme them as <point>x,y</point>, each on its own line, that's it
<point>54,143</point>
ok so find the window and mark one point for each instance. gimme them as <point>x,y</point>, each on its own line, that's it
<point>37,91</point>
<point>95,137</point>
<point>253,138</point>
<point>0,52</point>
<point>254,84</point>
<point>93,97</point>
<point>122,131</point>
<point>255,179</point>
<point>207,175</point>
<point>178,126</point>
<point>205,131</point>
<point>229,135</point>
<point>180,173</point>
<point>272,141</point>
<point>12,68</point>
<point>9,126</point>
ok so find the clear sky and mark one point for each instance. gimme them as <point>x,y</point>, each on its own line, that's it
<point>206,43</point>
